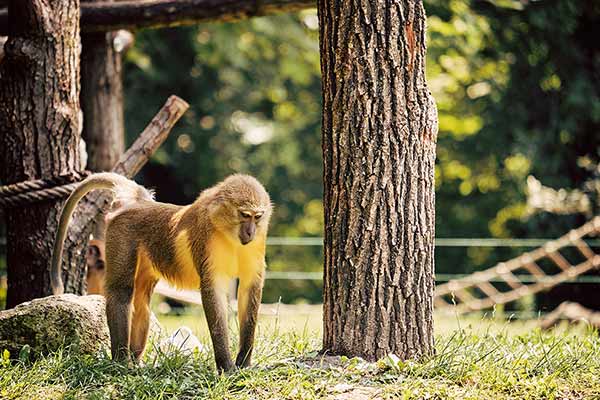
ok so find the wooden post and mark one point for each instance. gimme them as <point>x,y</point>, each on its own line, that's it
<point>101,100</point>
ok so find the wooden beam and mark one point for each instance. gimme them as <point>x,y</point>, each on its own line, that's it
<point>151,137</point>
<point>102,17</point>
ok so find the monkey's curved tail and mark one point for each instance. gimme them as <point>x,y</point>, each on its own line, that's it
<point>127,191</point>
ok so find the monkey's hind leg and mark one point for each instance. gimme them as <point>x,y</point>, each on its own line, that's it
<point>249,297</point>
<point>121,263</point>
<point>145,281</point>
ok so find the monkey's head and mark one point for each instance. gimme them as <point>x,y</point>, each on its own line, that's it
<point>241,208</point>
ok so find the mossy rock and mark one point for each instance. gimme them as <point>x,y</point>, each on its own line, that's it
<point>54,322</point>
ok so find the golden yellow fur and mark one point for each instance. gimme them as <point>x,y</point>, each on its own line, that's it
<point>232,260</point>
<point>186,276</point>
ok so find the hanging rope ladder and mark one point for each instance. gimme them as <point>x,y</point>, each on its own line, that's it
<point>504,282</point>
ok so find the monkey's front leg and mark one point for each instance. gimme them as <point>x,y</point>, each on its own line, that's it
<point>214,301</point>
<point>249,297</point>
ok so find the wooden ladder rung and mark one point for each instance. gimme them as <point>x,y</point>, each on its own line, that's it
<point>559,260</point>
<point>512,280</point>
<point>463,296</point>
<point>532,267</point>
<point>584,249</point>
<point>488,289</point>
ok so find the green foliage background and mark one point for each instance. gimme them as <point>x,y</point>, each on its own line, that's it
<point>517,84</point>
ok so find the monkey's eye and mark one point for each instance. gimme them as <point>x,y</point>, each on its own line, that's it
<point>258,216</point>
<point>245,214</point>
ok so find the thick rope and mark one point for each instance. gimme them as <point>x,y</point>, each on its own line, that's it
<point>28,192</point>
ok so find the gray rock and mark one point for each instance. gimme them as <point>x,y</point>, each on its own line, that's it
<point>49,323</point>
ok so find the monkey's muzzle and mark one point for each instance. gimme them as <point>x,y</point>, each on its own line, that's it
<point>247,232</point>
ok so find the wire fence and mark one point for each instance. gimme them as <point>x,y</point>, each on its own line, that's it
<point>318,276</point>
<point>439,242</point>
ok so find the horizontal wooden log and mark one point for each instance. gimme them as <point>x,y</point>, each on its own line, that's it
<point>131,15</point>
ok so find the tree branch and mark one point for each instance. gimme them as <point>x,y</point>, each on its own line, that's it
<point>151,138</point>
<point>98,17</point>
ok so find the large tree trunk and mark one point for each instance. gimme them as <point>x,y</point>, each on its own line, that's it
<point>39,135</point>
<point>379,134</point>
<point>102,105</point>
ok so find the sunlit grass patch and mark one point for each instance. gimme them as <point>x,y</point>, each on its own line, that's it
<point>482,359</point>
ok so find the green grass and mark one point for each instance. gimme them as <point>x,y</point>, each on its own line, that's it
<point>475,359</point>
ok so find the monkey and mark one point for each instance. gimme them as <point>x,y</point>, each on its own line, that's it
<point>94,259</point>
<point>220,236</point>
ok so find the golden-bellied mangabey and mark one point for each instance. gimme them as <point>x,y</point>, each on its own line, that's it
<point>222,235</point>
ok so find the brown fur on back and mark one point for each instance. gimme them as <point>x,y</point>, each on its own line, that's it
<point>156,234</point>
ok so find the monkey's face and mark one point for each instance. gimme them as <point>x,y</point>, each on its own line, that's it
<point>249,221</point>
<point>241,208</point>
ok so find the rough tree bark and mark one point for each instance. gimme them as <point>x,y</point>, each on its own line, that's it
<point>379,134</point>
<point>39,134</point>
<point>102,105</point>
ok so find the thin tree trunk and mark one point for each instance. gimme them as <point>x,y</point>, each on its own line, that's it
<point>102,105</point>
<point>39,135</point>
<point>102,101</point>
<point>379,134</point>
